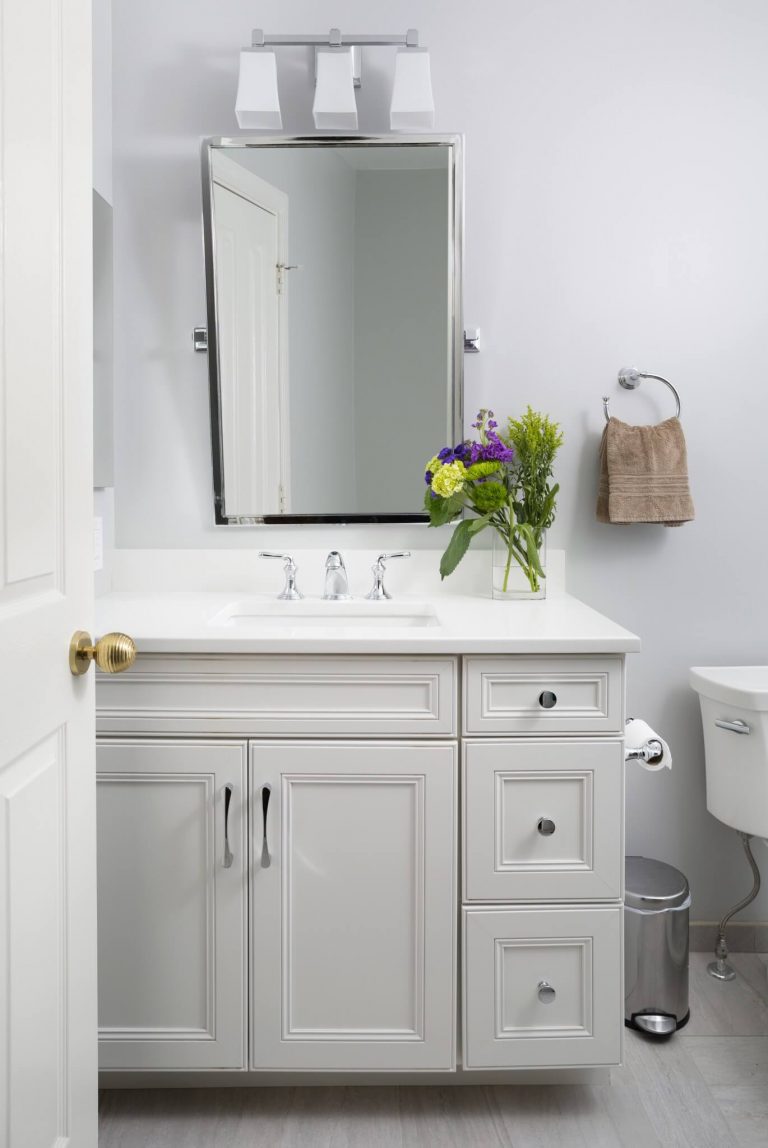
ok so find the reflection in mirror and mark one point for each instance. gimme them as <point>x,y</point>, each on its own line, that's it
<point>334,324</point>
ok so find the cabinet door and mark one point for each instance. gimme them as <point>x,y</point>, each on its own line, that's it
<point>542,987</point>
<point>172,904</point>
<point>353,905</point>
<point>543,820</point>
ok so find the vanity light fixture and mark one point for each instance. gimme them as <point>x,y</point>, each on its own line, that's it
<point>338,69</point>
<point>334,107</point>
<point>258,104</point>
<point>413,106</point>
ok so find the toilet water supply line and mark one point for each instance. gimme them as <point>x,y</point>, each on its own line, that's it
<point>720,968</point>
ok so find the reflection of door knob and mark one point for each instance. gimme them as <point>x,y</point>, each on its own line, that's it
<point>113,653</point>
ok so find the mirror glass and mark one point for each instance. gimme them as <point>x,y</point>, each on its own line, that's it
<point>334,325</point>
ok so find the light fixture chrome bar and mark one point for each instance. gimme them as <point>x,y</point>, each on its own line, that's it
<point>334,39</point>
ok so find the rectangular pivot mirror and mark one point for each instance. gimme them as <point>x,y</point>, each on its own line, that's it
<point>334,323</point>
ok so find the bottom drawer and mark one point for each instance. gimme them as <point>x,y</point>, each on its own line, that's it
<point>542,987</point>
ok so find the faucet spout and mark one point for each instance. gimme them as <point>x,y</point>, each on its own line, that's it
<point>336,581</point>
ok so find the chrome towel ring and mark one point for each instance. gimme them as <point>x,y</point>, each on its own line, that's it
<point>629,378</point>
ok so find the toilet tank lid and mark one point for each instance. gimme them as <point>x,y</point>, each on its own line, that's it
<point>744,686</point>
<point>652,884</point>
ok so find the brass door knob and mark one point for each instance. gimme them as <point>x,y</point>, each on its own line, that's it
<point>113,653</point>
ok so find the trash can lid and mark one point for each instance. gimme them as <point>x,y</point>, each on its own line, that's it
<point>651,884</point>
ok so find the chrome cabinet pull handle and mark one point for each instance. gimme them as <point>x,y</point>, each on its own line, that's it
<point>228,854</point>
<point>266,860</point>
<point>546,826</point>
<point>546,992</point>
<point>735,726</point>
<point>547,699</point>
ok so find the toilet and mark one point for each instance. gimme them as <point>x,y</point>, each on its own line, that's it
<point>734,712</point>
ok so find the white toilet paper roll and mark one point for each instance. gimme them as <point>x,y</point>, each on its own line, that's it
<point>639,733</point>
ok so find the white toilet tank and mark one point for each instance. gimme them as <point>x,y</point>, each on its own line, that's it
<point>734,712</point>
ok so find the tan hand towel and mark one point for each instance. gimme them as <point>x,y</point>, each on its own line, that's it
<point>644,474</point>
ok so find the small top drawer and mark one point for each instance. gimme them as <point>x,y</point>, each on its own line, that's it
<point>252,694</point>
<point>565,694</point>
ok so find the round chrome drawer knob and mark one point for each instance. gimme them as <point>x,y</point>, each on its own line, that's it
<point>547,700</point>
<point>546,826</point>
<point>546,993</point>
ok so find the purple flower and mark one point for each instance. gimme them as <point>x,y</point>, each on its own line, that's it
<point>461,451</point>
<point>492,424</point>
<point>428,477</point>
<point>446,454</point>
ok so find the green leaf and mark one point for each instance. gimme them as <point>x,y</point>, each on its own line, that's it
<point>532,551</point>
<point>478,524</point>
<point>442,510</point>
<point>457,547</point>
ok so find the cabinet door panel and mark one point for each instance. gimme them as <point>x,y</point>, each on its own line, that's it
<point>171,915</point>
<point>353,919</point>
<point>543,820</point>
<point>542,987</point>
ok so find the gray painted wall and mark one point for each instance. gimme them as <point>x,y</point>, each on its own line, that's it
<point>616,191</point>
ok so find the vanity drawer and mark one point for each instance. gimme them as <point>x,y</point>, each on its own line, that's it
<point>543,695</point>
<point>543,819</point>
<point>542,987</point>
<point>261,694</point>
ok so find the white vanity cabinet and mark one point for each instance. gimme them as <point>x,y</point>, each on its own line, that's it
<point>172,842</point>
<point>332,941</point>
<point>353,905</point>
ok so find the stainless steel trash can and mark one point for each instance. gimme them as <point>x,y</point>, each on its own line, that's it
<point>656,904</point>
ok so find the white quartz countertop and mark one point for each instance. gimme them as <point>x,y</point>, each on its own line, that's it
<point>233,622</point>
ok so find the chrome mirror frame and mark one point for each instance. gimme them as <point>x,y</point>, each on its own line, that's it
<point>455,264</point>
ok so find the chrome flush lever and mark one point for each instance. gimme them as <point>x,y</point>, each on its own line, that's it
<point>228,854</point>
<point>266,860</point>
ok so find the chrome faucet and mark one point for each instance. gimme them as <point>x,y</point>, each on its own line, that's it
<point>336,581</point>
<point>379,591</point>
<point>291,592</point>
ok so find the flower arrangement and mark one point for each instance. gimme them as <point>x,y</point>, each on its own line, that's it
<point>504,480</point>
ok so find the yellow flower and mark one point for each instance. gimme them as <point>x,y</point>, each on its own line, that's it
<point>449,479</point>
<point>433,465</point>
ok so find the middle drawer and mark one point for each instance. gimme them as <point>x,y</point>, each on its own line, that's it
<point>543,820</point>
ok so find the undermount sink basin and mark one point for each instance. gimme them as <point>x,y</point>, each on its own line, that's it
<point>256,614</point>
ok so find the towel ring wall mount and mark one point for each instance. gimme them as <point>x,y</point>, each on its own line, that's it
<point>630,378</point>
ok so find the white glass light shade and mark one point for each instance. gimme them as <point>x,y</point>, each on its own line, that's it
<point>258,104</point>
<point>335,105</point>
<point>413,107</point>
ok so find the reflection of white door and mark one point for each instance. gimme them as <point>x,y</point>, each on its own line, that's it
<point>47,776</point>
<point>250,221</point>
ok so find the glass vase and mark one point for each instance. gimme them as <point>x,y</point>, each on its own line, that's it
<point>512,581</point>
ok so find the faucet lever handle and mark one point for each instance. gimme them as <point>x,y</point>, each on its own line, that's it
<point>394,554</point>
<point>378,592</point>
<point>290,592</point>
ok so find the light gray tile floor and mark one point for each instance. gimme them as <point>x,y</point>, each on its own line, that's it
<point>707,1087</point>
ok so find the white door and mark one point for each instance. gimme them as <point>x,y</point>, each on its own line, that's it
<point>47,785</point>
<point>250,227</point>
<point>353,905</point>
<point>172,903</point>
